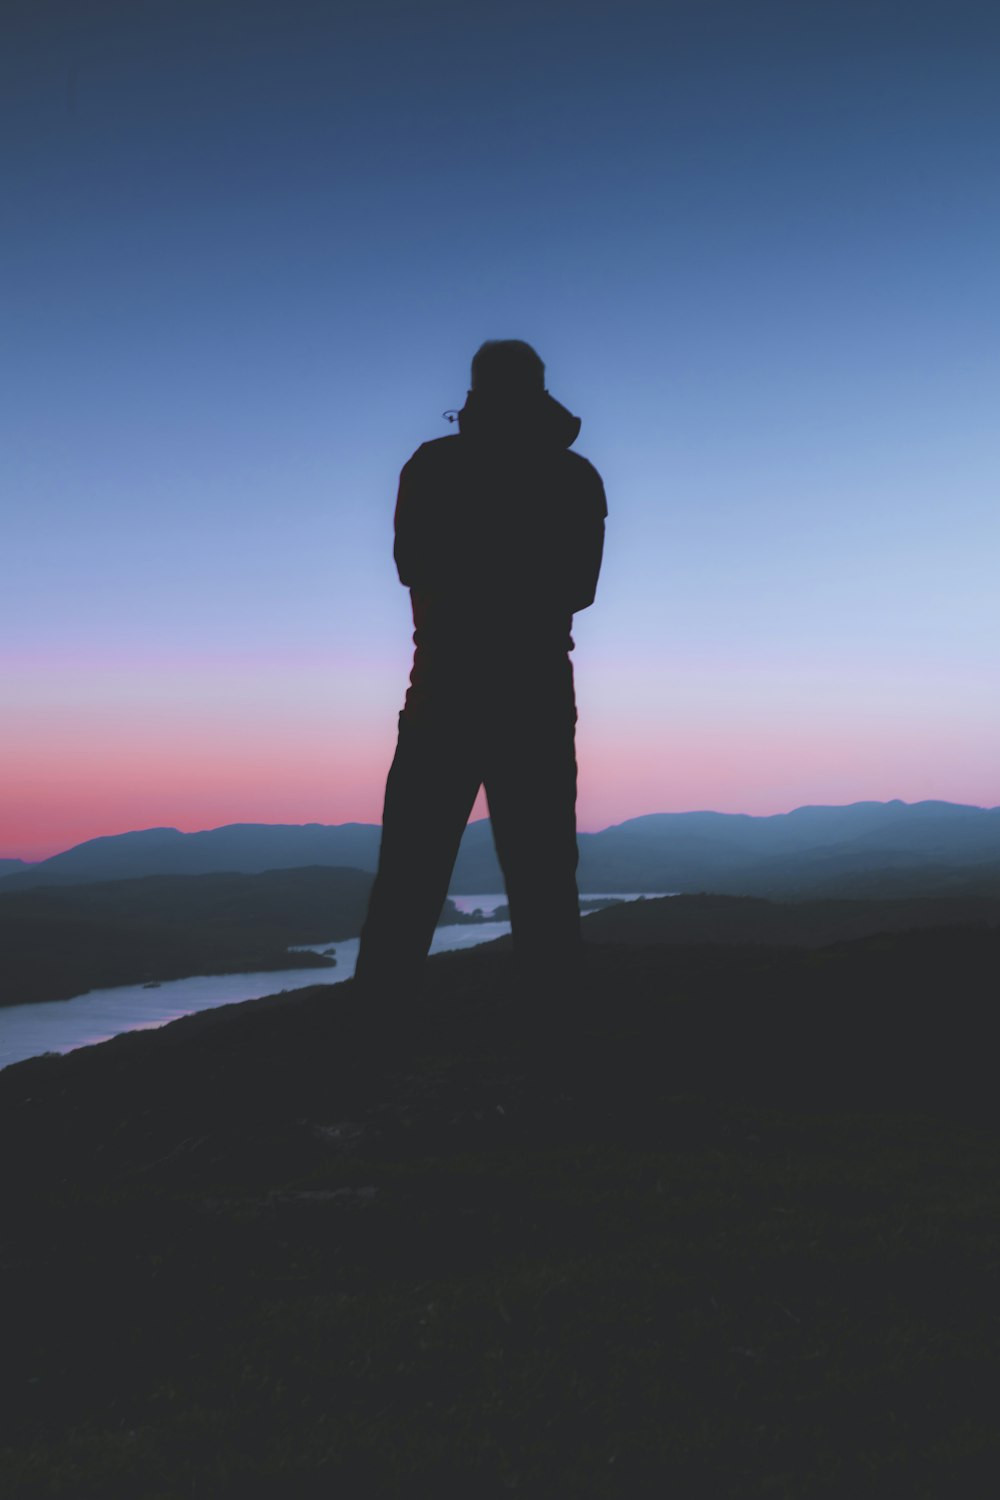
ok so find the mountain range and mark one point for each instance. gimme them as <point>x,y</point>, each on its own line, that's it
<point>865,848</point>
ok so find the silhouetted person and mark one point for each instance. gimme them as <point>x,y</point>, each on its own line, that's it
<point>499,536</point>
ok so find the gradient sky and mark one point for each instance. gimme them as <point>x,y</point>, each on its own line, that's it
<point>248,250</point>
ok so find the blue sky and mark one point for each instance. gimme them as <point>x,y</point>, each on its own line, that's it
<point>249,251</point>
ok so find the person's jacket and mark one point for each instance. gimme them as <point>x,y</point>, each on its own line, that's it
<point>499,533</point>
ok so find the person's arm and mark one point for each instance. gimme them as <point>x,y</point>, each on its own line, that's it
<point>410,547</point>
<point>587,548</point>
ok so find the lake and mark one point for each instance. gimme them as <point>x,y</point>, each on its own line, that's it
<point>63,1025</point>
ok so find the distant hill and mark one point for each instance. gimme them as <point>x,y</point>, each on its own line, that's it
<point>61,941</point>
<point>813,849</point>
<point>12,866</point>
<point>891,848</point>
<point>799,924</point>
<point>239,848</point>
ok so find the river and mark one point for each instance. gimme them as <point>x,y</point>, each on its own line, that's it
<point>63,1025</point>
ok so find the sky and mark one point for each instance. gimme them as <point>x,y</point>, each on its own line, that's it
<point>248,251</point>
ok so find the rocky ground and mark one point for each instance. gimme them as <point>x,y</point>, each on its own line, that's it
<point>722,1222</point>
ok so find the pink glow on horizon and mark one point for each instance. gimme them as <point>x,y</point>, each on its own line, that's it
<point>62,789</point>
<point>761,770</point>
<point>96,748</point>
<point>57,802</point>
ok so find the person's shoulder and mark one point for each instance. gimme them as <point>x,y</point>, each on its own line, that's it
<point>442,450</point>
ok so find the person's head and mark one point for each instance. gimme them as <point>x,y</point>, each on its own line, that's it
<point>507,369</point>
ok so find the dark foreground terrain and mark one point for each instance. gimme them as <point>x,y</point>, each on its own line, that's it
<point>725,1224</point>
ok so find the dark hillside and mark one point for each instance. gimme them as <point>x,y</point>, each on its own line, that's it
<point>807,924</point>
<point>722,1223</point>
<point>60,941</point>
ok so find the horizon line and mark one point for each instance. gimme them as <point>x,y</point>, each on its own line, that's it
<point>590,832</point>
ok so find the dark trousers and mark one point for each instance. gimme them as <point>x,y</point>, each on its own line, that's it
<point>515,736</point>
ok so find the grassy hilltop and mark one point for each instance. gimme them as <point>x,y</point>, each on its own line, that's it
<point>721,1223</point>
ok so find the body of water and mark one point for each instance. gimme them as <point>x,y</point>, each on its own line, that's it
<point>488,904</point>
<point>63,1025</point>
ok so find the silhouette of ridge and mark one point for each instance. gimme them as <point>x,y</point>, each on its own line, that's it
<point>809,850</point>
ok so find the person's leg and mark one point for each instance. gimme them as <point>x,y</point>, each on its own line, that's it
<point>530,780</point>
<point>429,793</point>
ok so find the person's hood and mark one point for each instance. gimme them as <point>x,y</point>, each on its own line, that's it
<point>537,419</point>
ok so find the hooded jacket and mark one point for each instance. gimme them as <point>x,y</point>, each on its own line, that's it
<point>499,534</point>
